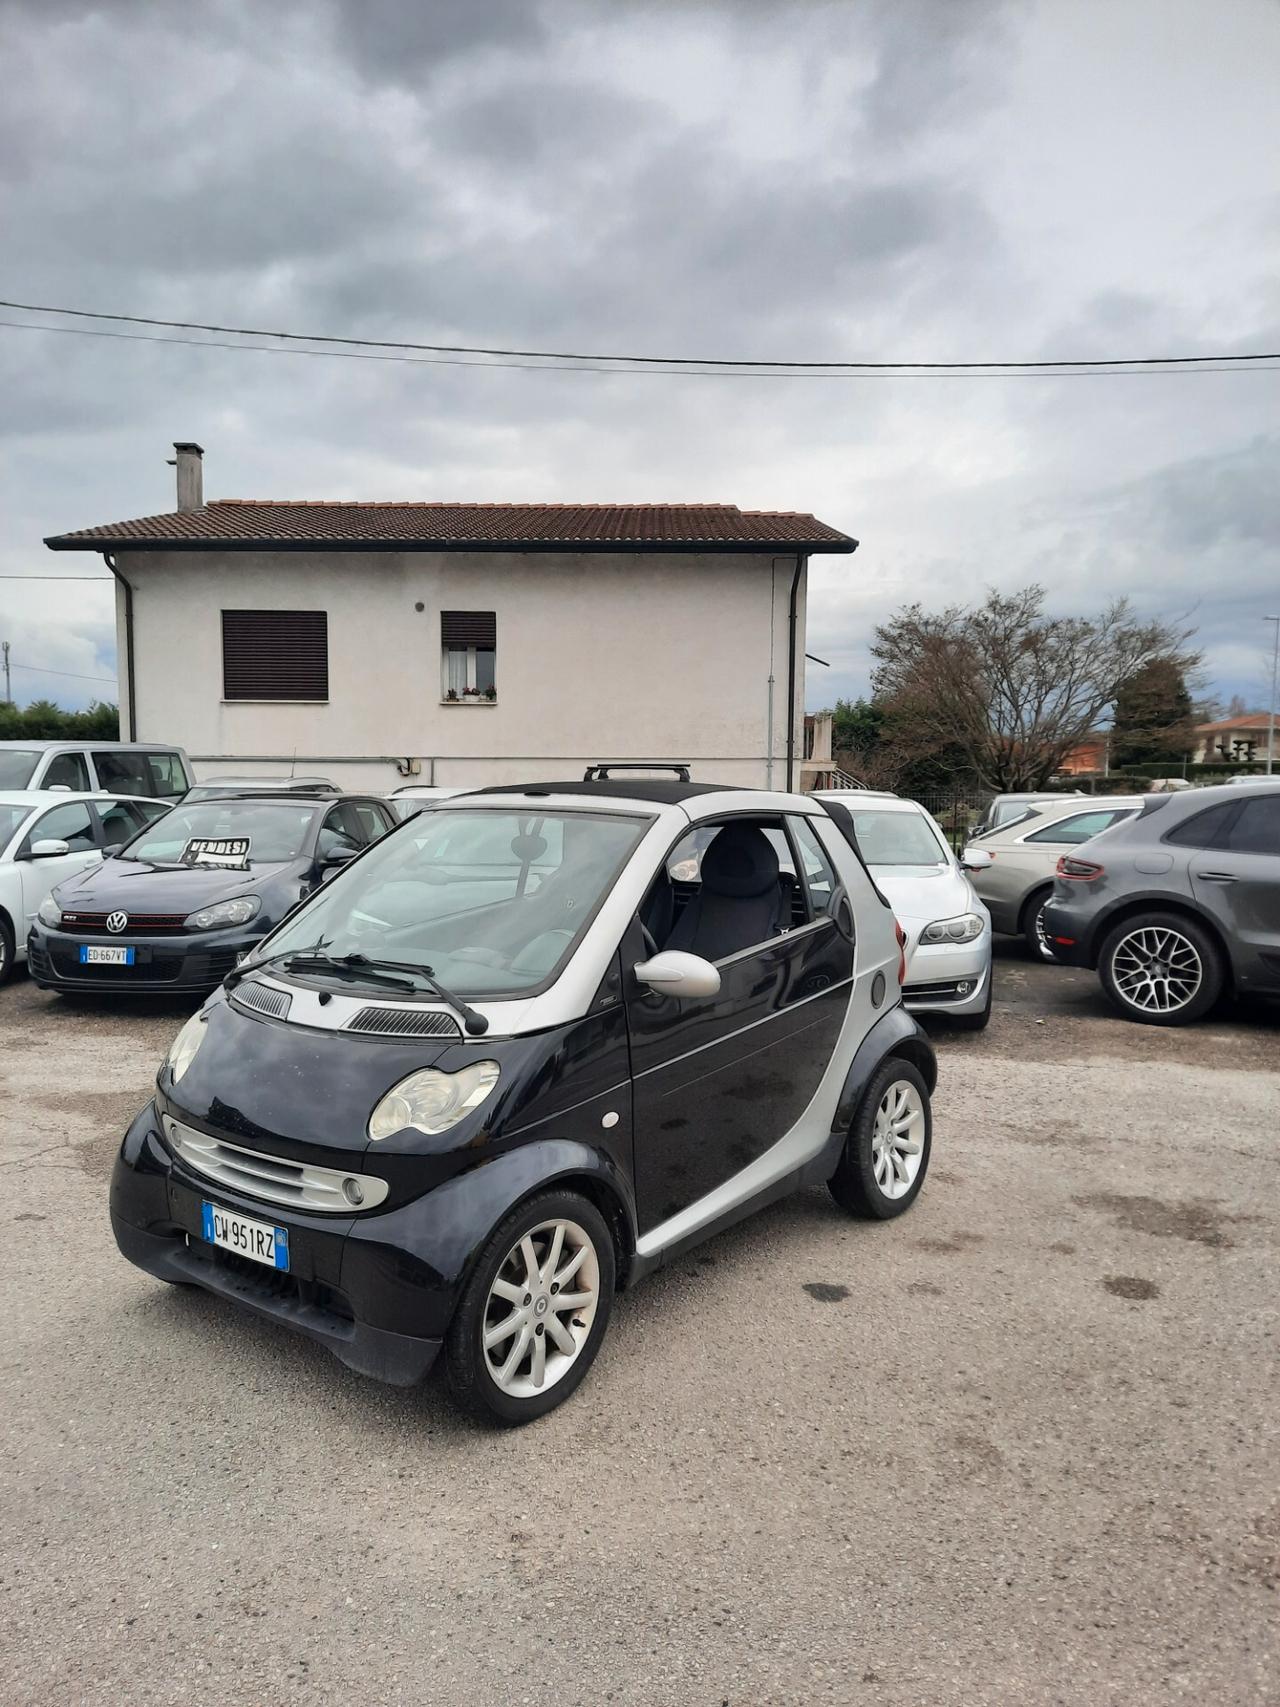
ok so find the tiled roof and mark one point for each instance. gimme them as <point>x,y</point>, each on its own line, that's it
<point>1250,720</point>
<point>245,523</point>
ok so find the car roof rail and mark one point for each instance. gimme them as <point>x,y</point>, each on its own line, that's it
<point>600,773</point>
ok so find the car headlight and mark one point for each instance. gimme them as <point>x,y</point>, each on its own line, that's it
<point>182,1051</point>
<point>50,912</point>
<point>224,913</point>
<point>432,1101</point>
<point>963,928</point>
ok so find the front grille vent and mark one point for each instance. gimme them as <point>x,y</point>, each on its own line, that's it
<point>301,1185</point>
<point>941,990</point>
<point>265,998</point>
<point>404,1022</point>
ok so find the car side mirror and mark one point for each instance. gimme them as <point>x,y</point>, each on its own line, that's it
<point>675,973</point>
<point>49,849</point>
<point>339,856</point>
<point>975,859</point>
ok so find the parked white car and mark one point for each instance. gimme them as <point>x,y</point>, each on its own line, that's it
<point>948,932</point>
<point>139,769</point>
<point>48,835</point>
<point>1023,857</point>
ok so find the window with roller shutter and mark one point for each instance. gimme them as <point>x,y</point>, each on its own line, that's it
<point>469,645</point>
<point>275,654</point>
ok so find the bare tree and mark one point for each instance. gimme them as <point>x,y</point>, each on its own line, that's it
<point>1005,691</point>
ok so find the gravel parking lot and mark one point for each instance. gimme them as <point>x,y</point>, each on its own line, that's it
<point>1019,1446</point>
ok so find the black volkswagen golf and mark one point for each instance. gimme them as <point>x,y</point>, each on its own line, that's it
<point>175,908</point>
<point>520,1053</point>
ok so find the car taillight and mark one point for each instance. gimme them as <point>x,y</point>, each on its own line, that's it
<point>902,951</point>
<point>1079,870</point>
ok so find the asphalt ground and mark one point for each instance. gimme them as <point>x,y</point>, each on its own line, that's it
<point>1019,1446</point>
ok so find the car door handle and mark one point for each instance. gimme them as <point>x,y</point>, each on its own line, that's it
<point>1216,876</point>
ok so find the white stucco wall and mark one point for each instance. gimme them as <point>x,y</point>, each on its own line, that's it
<point>598,657</point>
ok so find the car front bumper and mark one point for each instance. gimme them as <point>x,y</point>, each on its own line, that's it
<point>356,1285</point>
<point>179,961</point>
<point>937,972</point>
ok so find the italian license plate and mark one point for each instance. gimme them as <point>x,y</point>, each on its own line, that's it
<point>94,955</point>
<point>257,1240</point>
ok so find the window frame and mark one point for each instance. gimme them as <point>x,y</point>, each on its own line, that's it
<point>1241,817</point>
<point>23,849</point>
<point>259,697</point>
<point>1044,837</point>
<point>76,755</point>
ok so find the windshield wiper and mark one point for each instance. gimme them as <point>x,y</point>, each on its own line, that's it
<point>476,1023</point>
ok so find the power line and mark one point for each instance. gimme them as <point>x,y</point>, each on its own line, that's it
<point>1104,372</point>
<point>743,363</point>
<point>104,579</point>
<point>39,670</point>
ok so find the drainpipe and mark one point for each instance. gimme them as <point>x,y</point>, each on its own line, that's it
<point>791,672</point>
<point>130,691</point>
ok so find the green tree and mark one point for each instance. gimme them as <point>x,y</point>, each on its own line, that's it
<point>42,720</point>
<point>1154,718</point>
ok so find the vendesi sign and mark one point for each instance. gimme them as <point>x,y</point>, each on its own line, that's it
<point>230,852</point>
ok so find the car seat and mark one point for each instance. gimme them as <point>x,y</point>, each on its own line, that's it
<point>741,900</point>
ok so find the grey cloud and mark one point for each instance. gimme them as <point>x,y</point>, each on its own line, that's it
<point>404,43</point>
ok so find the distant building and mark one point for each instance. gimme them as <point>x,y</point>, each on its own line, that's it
<point>1235,740</point>
<point>1090,757</point>
<point>465,644</point>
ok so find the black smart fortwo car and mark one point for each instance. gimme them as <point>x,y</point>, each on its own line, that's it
<point>513,1058</point>
<point>175,908</point>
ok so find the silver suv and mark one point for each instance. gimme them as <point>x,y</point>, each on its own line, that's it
<point>138,768</point>
<point>1176,905</point>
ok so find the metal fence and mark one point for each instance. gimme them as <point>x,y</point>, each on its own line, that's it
<point>956,809</point>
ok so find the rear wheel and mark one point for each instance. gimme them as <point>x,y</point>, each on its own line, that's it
<point>886,1154</point>
<point>6,950</point>
<point>1161,969</point>
<point>1033,932</point>
<point>534,1311</point>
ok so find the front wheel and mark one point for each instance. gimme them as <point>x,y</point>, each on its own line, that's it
<point>1161,969</point>
<point>886,1154</point>
<point>534,1312</point>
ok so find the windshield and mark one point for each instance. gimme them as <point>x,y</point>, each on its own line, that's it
<point>17,766</point>
<point>493,902</point>
<point>897,838</point>
<point>10,818</point>
<point>275,832</point>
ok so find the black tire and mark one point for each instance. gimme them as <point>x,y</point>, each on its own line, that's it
<point>1038,945</point>
<point>982,1019</point>
<point>854,1185</point>
<point>467,1369</point>
<point>6,950</point>
<point>1126,941</point>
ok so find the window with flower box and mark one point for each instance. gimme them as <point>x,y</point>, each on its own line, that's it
<point>469,646</point>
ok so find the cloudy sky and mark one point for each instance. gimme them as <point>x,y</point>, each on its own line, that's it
<point>815,179</point>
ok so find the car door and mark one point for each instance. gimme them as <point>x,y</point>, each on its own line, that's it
<point>73,823</point>
<point>717,1081</point>
<point>1237,883</point>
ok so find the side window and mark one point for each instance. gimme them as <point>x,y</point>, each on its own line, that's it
<point>335,833</point>
<point>124,773</point>
<point>120,819</point>
<point>1257,829</point>
<point>1205,830</point>
<point>818,873</point>
<point>727,888</point>
<point>370,820</point>
<point>68,770</point>
<point>71,824</point>
<point>1080,827</point>
<point>168,779</point>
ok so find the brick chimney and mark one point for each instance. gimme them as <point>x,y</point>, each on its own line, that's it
<point>189,462</point>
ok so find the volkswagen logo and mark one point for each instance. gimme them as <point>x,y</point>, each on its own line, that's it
<point>117,921</point>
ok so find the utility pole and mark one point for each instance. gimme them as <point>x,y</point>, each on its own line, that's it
<point>1271,716</point>
<point>8,697</point>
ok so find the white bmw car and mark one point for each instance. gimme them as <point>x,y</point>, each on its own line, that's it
<point>947,928</point>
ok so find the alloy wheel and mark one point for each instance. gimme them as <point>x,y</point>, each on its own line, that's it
<point>540,1308</point>
<point>897,1140</point>
<point>1156,969</point>
<point>1042,936</point>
